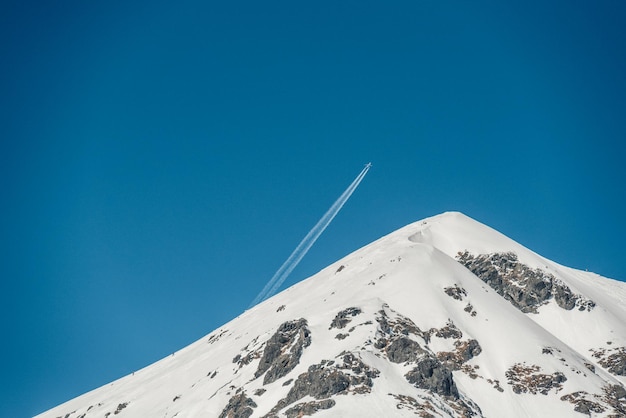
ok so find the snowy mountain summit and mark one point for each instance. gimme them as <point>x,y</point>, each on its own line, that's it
<point>445,317</point>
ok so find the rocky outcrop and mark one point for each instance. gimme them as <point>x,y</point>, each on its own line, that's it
<point>524,287</point>
<point>283,350</point>
<point>403,350</point>
<point>308,408</point>
<point>329,378</point>
<point>239,406</point>
<point>390,329</point>
<point>432,375</point>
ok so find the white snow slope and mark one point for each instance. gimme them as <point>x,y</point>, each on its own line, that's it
<point>402,328</point>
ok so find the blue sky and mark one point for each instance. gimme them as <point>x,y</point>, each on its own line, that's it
<point>160,160</point>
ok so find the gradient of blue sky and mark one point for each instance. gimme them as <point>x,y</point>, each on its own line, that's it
<point>160,160</point>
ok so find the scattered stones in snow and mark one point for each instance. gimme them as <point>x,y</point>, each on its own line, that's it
<point>247,359</point>
<point>423,408</point>
<point>524,287</point>
<point>549,350</point>
<point>612,359</point>
<point>583,402</point>
<point>239,406</point>
<point>527,379</point>
<point>469,308</point>
<point>343,318</point>
<point>455,292</point>
<point>496,384</point>
<point>283,350</point>
<point>215,337</point>
<point>448,331</point>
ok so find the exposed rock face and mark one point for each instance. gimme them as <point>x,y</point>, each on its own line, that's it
<point>525,288</point>
<point>431,374</point>
<point>329,378</point>
<point>239,406</point>
<point>308,408</point>
<point>403,350</point>
<point>283,350</point>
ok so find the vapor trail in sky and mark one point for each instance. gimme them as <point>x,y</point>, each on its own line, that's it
<point>283,272</point>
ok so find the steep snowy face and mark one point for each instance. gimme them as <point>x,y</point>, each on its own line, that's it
<point>443,318</point>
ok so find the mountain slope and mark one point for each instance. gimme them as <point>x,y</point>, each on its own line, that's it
<point>443,318</point>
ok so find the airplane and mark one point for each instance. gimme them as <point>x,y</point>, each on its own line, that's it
<point>368,165</point>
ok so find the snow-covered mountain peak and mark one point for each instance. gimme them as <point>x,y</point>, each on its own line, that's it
<point>445,317</point>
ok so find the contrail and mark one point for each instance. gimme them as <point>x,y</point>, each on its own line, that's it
<point>307,242</point>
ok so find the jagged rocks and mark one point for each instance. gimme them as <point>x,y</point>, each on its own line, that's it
<point>239,406</point>
<point>432,375</point>
<point>343,318</point>
<point>523,287</point>
<point>283,350</point>
<point>308,408</point>
<point>429,372</point>
<point>330,378</point>
<point>527,379</point>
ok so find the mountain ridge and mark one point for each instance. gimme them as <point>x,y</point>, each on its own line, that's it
<point>426,321</point>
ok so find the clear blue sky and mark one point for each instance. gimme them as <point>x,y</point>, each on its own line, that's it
<point>160,160</point>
